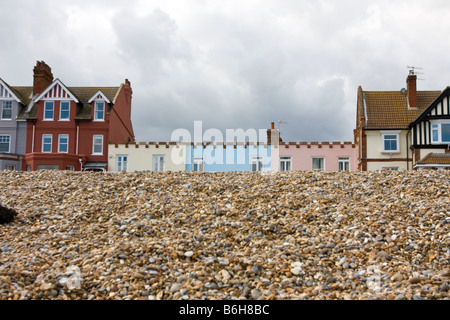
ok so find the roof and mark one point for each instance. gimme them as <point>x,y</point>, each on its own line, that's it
<point>435,159</point>
<point>83,94</point>
<point>389,109</point>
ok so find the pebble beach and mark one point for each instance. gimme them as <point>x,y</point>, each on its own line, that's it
<point>226,236</point>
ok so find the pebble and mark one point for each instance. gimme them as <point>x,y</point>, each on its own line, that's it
<point>286,236</point>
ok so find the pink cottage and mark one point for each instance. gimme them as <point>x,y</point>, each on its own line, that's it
<point>303,156</point>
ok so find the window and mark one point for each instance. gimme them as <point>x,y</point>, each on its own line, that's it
<point>64,112</point>
<point>390,142</point>
<point>97,148</point>
<point>63,143</point>
<point>159,163</point>
<point>122,163</point>
<point>344,164</point>
<point>99,112</point>
<point>257,164</point>
<point>390,168</point>
<point>48,167</point>
<point>49,110</point>
<point>47,143</point>
<point>440,133</point>
<point>5,141</point>
<point>318,164</point>
<point>6,110</point>
<point>11,168</point>
<point>285,163</point>
<point>70,168</point>
<point>197,165</point>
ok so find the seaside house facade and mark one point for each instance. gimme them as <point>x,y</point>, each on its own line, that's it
<point>13,127</point>
<point>229,157</point>
<point>430,134</point>
<point>396,130</point>
<point>152,156</point>
<point>69,128</point>
<point>324,156</point>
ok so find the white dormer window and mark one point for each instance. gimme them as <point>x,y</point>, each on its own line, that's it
<point>6,110</point>
<point>99,111</point>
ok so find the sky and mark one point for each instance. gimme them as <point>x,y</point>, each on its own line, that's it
<point>232,64</point>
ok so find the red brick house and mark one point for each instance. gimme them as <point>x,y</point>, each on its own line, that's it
<point>69,128</point>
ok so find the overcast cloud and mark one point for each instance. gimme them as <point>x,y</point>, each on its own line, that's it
<point>232,64</point>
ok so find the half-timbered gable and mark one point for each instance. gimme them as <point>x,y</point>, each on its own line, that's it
<point>432,128</point>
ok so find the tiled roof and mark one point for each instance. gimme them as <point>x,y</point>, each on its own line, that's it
<point>83,94</point>
<point>389,109</point>
<point>435,158</point>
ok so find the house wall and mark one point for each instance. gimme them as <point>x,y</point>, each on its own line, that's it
<point>302,154</point>
<point>17,131</point>
<point>121,129</point>
<point>378,160</point>
<point>229,158</point>
<point>140,156</point>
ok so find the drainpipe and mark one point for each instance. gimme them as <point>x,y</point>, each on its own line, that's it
<point>407,150</point>
<point>78,136</point>
<point>32,141</point>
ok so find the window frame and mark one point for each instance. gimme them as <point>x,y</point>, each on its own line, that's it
<point>59,143</point>
<point>257,161</point>
<point>45,111</point>
<point>44,143</point>
<point>346,162</point>
<point>9,142</point>
<point>318,158</point>
<point>384,134</point>
<point>156,163</point>
<point>121,163</point>
<point>96,104</point>
<point>285,160</point>
<point>198,163</point>
<point>93,144</point>
<point>9,102</point>
<point>439,131</point>
<point>61,110</point>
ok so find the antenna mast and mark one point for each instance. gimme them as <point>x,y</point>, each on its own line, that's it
<point>281,122</point>
<point>412,71</point>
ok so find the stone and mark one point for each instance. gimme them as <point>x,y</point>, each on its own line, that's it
<point>175,287</point>
<point>7,215</point>
<point>284,236</point>
<point>414,280</point>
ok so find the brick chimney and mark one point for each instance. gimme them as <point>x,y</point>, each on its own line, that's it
<point>273,136</point>
<point>411,88</point>
<point>43,77</point>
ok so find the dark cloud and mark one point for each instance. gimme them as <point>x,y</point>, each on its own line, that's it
<point>231,64</point>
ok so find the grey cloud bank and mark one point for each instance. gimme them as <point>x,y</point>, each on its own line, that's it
<point>231,64</point>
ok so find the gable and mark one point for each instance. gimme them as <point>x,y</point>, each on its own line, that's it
<point>56,91</point>
<point>99,95</point>
<point>6,93</point>
<point>439,109</point>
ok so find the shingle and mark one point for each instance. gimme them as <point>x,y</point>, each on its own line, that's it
<point>389,109</point>
<point>435,158</point>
